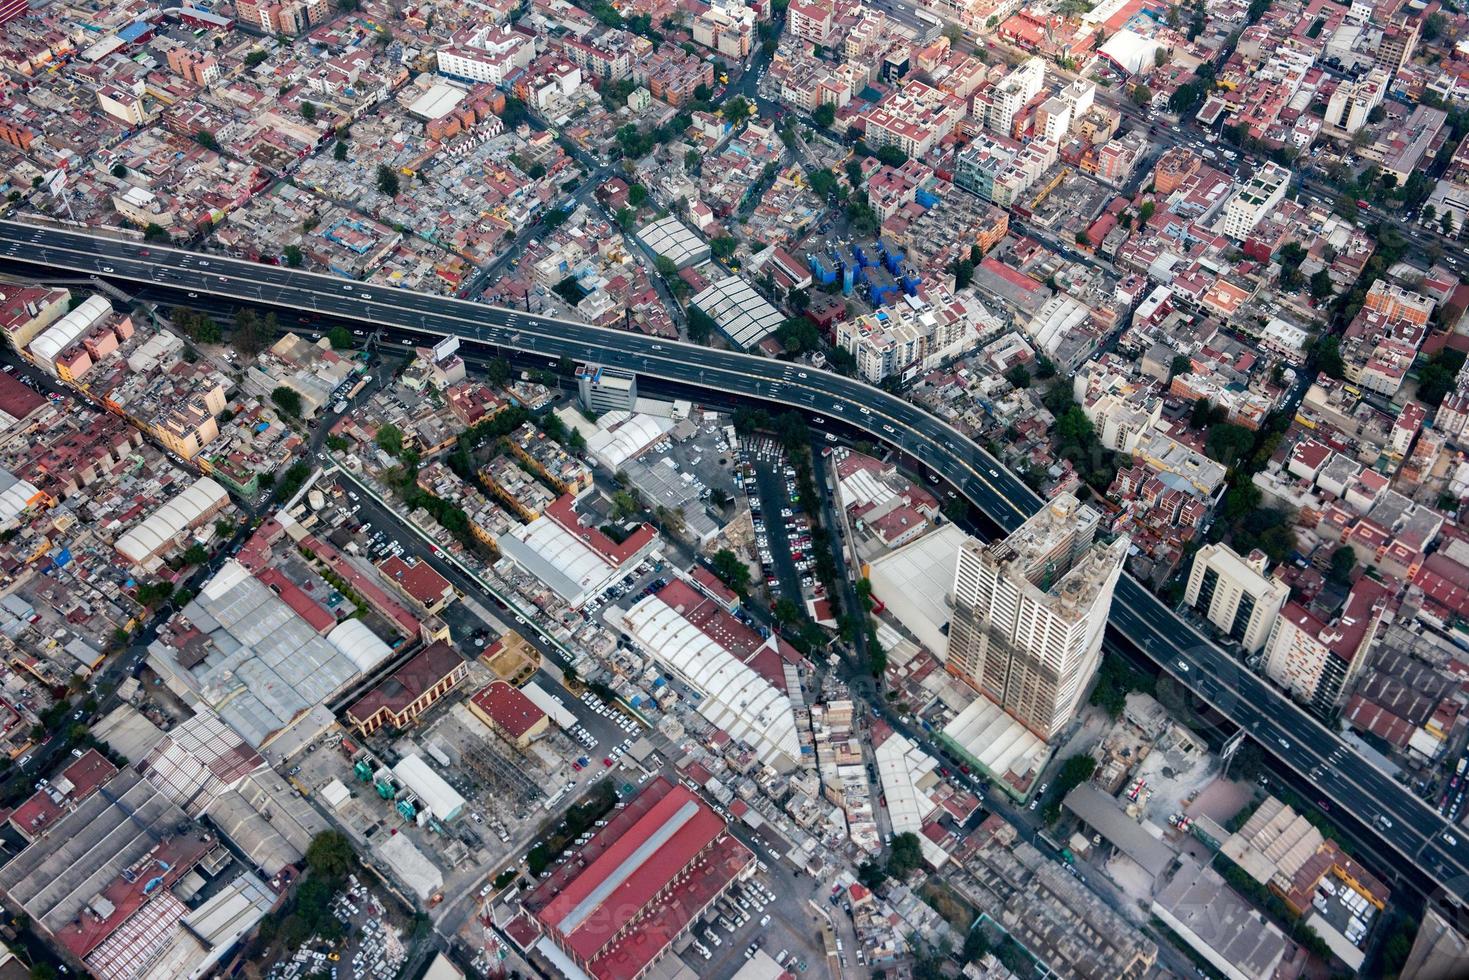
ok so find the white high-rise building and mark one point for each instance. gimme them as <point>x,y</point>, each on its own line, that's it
<point>1256,199</point>
<point>1352,101</point>
<point>1317,661</point>
<point>1235,594</point>
<point>1013,93</point>
<point>1029,613</point>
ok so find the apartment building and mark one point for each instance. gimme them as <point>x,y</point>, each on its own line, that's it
<point>914,119</point>
<point>1317,661</point>
<point>288,17</point>
<point>1397,303</point>
<point>1014,93</point>
<point>1353,101</point>
<point>1256,199</point>
<point>1029,613</point>
<point>727,26</point>
<point>485,54</point>
<point>1235,594</point>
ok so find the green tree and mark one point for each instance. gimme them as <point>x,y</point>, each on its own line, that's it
<point>1180,365</point>
<point>906,855</point>
<point>339,152</point>
<point>196,554</point>
<point>732,571</point>
<point>1146,211</point>
<point>206,139</point>
<point>823,182</point>
<point>330,854</point>
<point>339,337</point>
<point>119,171</point>
<point>1343,561</point>
<point>293,256</point>
<point>154,232</point>
<point>701,325</point>
<point>389,439</point>
<point>387,180</point>
<point>1141,94</point>
<point>1320,284</point>
<point>824,115</point>
<point>1328,356</point>
<point>666,267</point>
<point>963,270</point>
<point>892,156</point>
<point>255,58</point>
<point>308,111</point>
<point>1018,376</point>
<point>288,400</point>
<point>1228,443</point>
<point>637,195</point>
<point>723,247</point>
<point>1446,223</point>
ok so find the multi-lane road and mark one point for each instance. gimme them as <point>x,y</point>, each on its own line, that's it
<point>1407,825</point>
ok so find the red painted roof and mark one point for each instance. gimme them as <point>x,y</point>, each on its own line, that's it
<point>417,578</point>
<point>301,603</point>
<point>653,889</point>
<point>510,709</point>
<point>563,512</point>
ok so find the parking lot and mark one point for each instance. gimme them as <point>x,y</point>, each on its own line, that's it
<point>782,529</point>
<point>763,913</point>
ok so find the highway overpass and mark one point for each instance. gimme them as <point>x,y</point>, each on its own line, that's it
<point>1404,823</point>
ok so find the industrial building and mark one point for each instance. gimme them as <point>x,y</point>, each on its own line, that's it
<point>146,544</point>
<point>432,791</point>
<point>744,695</point>
<point>743,314</point>
<point>638,885</point>
<point>241,649</point>
<point>671,239</point>
<point>576,561</point>
<point>104,862</point>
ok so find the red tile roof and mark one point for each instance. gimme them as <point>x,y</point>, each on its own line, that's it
<point>409,682</point>
<point>563,512</point>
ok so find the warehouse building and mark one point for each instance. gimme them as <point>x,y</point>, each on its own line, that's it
<point>639,884</point>
<point>145,544</point>
<point>740,676</point>
<point>742,314</point>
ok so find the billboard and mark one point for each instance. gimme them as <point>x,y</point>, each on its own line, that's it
<point>445,348</point>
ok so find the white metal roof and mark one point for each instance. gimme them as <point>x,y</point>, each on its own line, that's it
<point>441,798</point>
<point>736,698</point>
<point>183,511</point>
<point>615,445</point>
<point>904,769</point>
<point>57,337</point>
<point>558,558</point>
<point>741,312</point>
<point>358,644</point>
<point>15,494</point>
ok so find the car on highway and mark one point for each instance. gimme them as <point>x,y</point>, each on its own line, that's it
<point>1183,666</point>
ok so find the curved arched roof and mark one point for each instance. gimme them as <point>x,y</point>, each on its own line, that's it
<point>736,698</point>
<point>183,511</point>
<point>60,335</point>
<point>358,644</point>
